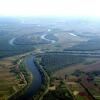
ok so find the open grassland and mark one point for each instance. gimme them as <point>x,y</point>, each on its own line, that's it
<point>10,82</point>
<point>97,81</point>
<point>66,40</point>
<point>90,64</point>
<point>92,87</point>
<point>77,91</point>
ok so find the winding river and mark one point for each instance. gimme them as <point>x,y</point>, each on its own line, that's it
<point>11,42</point>
<point>37,79</point>
<point>49,40</point>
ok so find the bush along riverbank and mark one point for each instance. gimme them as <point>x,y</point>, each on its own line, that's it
<point>25,78</point>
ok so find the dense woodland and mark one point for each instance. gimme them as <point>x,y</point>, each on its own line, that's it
<point>55,61</point>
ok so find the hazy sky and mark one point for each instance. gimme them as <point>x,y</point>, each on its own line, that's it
<point>50,7</point>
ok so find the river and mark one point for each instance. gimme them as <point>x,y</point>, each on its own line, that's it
<point>49,40</point>
<point>37,79</point>
<point>11,42</point>
<point>72,34</point>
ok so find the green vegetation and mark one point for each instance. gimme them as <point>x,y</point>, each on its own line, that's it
<point>24,71</point>
<point>92,44</point>
<point>46,81</point>
<point>61,93</point>
<point>13,77</point>
<point>78,73</point>
<point>24,78</point>
<point>77,91</point>
<point>8,82</point>
<point>94,73</point>
<point>55,61</point>
<point>88,63</point>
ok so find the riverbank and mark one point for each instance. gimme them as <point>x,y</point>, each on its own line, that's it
<point>36,81</point>
<point>25,79</point>
<point>46,81</point>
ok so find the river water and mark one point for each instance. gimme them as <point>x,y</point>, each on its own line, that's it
<point>37,79</point>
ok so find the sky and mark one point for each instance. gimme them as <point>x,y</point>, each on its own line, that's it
<point>50,8</point>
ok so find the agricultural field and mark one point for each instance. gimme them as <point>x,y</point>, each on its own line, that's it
<point>67,39</point>
<point>91,44</point>
<point>60,93</point>
<point>9,80</point>
<point>78,91</point>
<point>90,64</point>
<point>63,65</point>
<point>92,86</point>
<point>97,80</point>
